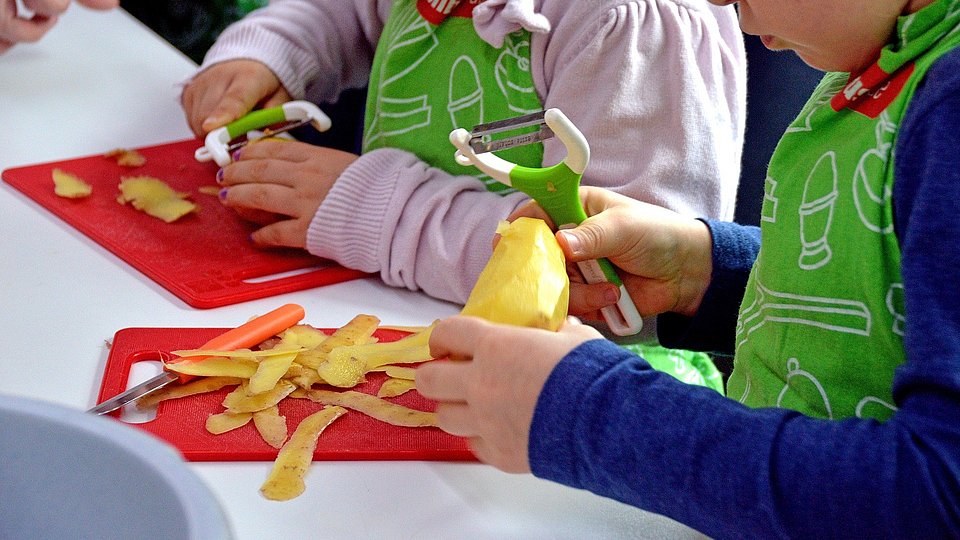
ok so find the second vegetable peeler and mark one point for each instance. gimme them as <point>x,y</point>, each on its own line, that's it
<point>555,188</point>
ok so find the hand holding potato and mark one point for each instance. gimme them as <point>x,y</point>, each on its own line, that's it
<point>664,258</point>
<point>488,391</point>
<point>226,91</point>
<point>15,27</point>
<point>285,179</point>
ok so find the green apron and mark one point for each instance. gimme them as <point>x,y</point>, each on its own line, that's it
<point>820,328</point>
<point>429,79</point>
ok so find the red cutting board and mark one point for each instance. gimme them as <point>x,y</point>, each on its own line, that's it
<point>354,436</point>
<point>206,258</point>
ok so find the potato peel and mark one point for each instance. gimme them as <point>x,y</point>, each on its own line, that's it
<point>271,426</point>
<point>374,407</point>
<point>226,421</point>
<point>395,387</point>
<point>70,186</point>
<point>126,158</point>
<point>286,478</point>
<point>240,399</point>
<point>154,197</point>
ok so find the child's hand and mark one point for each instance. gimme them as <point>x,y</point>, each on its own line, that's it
<point>16,28</point>
<point>665,258</point>
<point>489,390</point>
<point>287,179</point>
<point>226,91</point>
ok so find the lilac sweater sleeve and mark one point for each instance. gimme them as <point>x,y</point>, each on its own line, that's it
<point>657,87</point>
<point>607,422</point>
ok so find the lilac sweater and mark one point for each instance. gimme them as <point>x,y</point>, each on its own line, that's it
<point>657,86</point>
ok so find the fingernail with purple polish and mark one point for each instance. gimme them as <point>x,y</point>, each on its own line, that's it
<point>236,155</point>
<point>220,176</point>
<point>222,194</point>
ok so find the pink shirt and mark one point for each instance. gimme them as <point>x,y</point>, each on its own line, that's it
<point>658,87</point>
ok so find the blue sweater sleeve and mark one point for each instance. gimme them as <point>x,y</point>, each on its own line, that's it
<point>608,423</point>
<point>712,329</point>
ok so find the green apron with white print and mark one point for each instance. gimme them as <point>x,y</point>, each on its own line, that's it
<point>430,77</point>
<point>821,324</point>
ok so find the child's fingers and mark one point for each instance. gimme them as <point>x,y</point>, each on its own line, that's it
<point>443,380</point>
<point>287,150</point>
<point>532,210</point>
<point>17,30</point>
<point>455,419</point>
<point>586,298</point>
<point>277,172</point>
<point>264,196</point>
<point>47,8</point>
<point>99,4</point>
<point>456,337</point>
<point>287,233</point>
<point>231,106</point>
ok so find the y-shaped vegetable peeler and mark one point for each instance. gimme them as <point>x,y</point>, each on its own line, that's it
<point>222,142</point>
<point>555,188</point>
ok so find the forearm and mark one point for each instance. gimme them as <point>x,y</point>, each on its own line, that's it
<point>607,422</point>
<point>317,49</point>
<point>417,226</point>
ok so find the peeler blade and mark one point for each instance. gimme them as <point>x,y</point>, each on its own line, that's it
<point>246,139</point>
<point>481,140</point>
<point>135,393</point>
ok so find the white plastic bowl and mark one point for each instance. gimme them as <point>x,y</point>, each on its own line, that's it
<point>65,473</point>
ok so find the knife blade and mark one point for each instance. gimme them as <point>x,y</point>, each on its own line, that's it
<point>246,335</point>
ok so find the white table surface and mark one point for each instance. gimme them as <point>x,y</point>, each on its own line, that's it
<point>99,81</point>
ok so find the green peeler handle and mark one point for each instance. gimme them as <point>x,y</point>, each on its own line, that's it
<point>557,190</point>
<point>256,120</point>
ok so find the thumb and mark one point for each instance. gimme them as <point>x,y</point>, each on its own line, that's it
<point>587,241</point>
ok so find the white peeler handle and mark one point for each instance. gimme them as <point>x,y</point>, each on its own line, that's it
<point>622,317</point>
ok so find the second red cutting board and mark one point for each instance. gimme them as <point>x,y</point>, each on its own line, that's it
<point>354,436</point>
<point>205,258</point>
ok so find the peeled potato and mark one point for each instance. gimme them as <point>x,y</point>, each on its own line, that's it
<point>525,281</point>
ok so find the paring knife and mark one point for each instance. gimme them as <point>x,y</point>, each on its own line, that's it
<point>248,334</point>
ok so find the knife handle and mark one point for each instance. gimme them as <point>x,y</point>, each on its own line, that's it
<point>251,333</point>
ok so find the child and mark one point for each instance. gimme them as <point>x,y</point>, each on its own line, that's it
<point>663,78</point>
<point>848,337</point>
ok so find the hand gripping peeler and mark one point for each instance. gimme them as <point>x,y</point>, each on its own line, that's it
<point>555,188</point>
<point>220,143</point>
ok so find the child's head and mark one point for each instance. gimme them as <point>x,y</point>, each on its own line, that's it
<point>830,35</point>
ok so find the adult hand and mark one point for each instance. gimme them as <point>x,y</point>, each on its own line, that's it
<point>285,179</point>
<point>488,390</point>
<point>226,91</point>
<point>17,27</point>
<point>664,258</point>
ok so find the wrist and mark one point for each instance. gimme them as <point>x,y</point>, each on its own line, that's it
<point>697,264</point>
